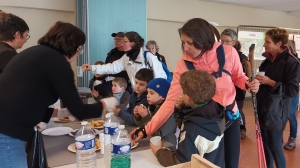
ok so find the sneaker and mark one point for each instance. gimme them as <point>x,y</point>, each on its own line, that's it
<point>291,143</point>
<point>243,134</point>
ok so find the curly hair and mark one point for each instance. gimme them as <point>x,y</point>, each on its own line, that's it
<point>136,38</point>
<point>201,32</point>
<point>64,37</point>
<point>277,35</point>
<point>9,25</point>
<point>198,85</point>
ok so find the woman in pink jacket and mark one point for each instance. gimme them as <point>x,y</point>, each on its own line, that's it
<point>199,48</point>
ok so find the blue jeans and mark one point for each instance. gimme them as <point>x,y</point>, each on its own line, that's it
<point>292,117</point>
<point>12,152</point>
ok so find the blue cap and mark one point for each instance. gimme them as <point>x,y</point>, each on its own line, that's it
<point>159,85</point>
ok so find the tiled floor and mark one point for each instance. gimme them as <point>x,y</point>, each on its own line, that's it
<point>248,156</point>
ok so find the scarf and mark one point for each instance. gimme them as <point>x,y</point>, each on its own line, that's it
<point>132,54</point>
<point>119,95</point>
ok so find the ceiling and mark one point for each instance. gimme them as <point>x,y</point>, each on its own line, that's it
<point>292,7</point>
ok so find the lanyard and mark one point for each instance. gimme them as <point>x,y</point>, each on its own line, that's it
<point>200,105</point>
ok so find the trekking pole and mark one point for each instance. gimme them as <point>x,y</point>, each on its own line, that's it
<point>259,143</point>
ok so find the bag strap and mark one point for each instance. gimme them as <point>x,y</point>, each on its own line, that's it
<point>189,65</point>
<point>277,89</point>
<point>145,59</point>
<point>221,61</point>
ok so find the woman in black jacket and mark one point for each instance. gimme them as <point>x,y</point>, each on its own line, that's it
<point>279,66</point>
<point>32,81</point>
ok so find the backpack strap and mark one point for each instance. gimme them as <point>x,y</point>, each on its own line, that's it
<point>221,61</point>
<point>145,59</point>
<point>189,65</point>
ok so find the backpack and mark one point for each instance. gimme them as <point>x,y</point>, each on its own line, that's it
<point>221,61</point>
<point>168,73</point>
<point>274,111</point>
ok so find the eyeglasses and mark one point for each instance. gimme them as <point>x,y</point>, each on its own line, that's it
<point>124,41</point>
<point>80,51</point>
<point>226,41</point>
<point>117,39</point>
<point>27,37</point>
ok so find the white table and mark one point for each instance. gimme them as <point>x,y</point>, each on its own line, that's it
<point>59,156</point>
<point>140,159</point>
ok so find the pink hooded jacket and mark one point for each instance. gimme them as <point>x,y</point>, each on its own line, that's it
<point>225,93</point>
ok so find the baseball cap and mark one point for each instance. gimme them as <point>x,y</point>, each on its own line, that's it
<point>120,34</point>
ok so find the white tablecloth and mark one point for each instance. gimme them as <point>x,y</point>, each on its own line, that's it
<point>140,159</point>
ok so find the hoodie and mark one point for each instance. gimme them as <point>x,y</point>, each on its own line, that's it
<point>201,132</point>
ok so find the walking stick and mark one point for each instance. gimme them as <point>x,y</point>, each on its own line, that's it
<point>259,143</point>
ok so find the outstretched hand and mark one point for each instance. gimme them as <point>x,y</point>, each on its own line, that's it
<point>86,67</point>
<point>136,136</point>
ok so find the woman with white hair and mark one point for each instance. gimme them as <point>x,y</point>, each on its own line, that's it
<point>153,47</point>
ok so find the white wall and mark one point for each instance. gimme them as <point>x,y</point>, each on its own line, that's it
<point>40,15</point>
<point>166,16</point>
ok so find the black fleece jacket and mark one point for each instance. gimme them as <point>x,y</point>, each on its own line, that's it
<point>286,69</point>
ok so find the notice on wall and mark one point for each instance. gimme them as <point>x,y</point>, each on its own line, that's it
<point>247,38</point>
<point>297,41</point>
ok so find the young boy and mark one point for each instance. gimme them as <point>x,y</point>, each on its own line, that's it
<point>201,122</point>
<point>101,85</point>
<point>157,91</point>
<point>119,86</point>
<point>142,77</point>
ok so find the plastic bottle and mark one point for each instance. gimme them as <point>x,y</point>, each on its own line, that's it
<point>85,147</point>
<point>111,124</point>
<point>107,150</point>
<point>121,144</point>
<point>101,139</point>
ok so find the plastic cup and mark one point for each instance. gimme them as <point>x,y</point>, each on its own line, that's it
<point>261,73</point>
<point>79,71</point>
<point>156,140</point>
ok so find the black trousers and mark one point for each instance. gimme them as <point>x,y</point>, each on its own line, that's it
<point>240,105</point>
<point>232,145</point>
<point>272,141</point>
